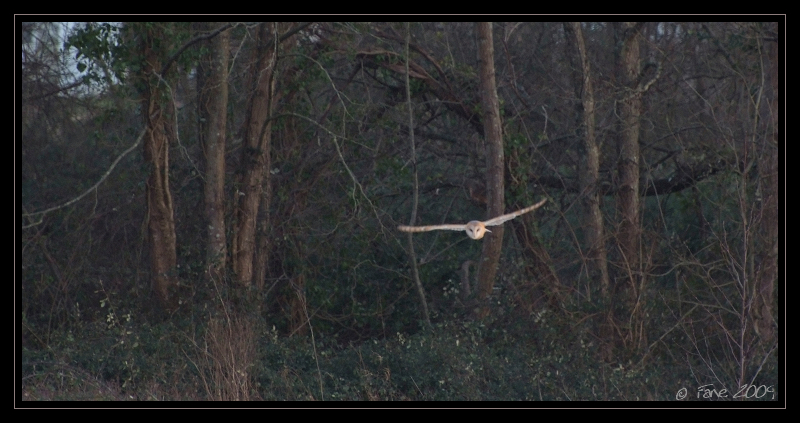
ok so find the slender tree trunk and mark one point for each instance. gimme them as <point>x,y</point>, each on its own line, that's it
<point>492,244</point>
<point>264,230</point>
<point>768,173</point>
<point>255,155</point>
<point>212,88</point>
<point>630,106</point>
<point>589,172</point>
<point>413,255</point>
<point>161,221</point>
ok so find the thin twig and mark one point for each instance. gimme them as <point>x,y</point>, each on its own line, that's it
<point>85,193</point>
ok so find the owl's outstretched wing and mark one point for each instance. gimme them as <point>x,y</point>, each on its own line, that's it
<point>500,219</point>
<point>431,228</point>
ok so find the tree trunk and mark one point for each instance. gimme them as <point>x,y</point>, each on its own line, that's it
<point>212,104</point>
<point>768,173</point>
<point>492,244</point>
<point>589,172</point>
<point>255,155</point>
<point>160,214</point>
<point>630,106</point>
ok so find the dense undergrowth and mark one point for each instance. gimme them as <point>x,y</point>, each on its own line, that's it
<point>226,356</point>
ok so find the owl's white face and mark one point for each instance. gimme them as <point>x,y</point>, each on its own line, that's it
<point>476,229</point>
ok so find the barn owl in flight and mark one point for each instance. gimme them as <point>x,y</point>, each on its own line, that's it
<point>474,229</point>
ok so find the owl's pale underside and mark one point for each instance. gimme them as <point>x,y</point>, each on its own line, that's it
<point>475,229</point>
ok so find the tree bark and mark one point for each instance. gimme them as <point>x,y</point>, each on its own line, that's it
<point>492,244</point>
<point>768,241</point>
<point>160,214</point>
<point>212,104</point>
<point>589,172</point>
<point>255,155</point>
<point>630,106</point>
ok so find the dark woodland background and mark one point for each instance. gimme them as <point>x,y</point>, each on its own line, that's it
<point>209,211</point>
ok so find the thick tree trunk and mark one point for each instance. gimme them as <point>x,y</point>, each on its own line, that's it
<point>492,244</point>
<point>161,221</point>
<point>212,104</point>
<point>255,155</point>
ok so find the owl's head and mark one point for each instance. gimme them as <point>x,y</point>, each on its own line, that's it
<point>476,229</point>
